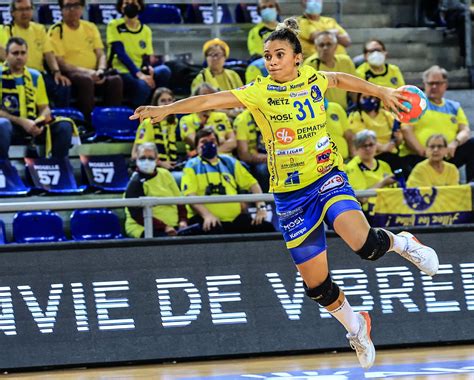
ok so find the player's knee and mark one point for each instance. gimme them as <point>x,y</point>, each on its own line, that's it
<point>376,245</point>
<point>324,294</point>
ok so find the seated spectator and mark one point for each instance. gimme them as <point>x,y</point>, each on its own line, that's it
<point>80,54</point>
<point>338,128</point>
<point>312,23</point>
<point>130,49</point>
<point>254,69</point>
<point>326,59</point>
<point>39,51</point>
<point>251,148</point>
<point>216,52</point>
<point>443,116</point>
<point>152,181</point>
<point>162,134</point>
<point>364,170</point>
<point>434,171</point>
<point>371,115</point>
<point>218,121</point>
<point>376,70</point>
<point>25,113</point>
<point>269,11</point>
<point>211,174</point>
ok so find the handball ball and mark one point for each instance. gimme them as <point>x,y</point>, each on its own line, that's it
<point>417,104</point>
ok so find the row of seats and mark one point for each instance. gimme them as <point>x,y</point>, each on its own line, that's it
<point>153,14</point>
<point>47,226</point>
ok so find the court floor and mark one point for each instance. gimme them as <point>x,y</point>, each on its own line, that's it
<point>434,363</point>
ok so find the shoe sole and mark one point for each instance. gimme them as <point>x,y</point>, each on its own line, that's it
<point>369,328</point>
<point>411,236</point>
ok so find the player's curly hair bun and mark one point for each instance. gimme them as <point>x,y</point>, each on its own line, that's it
<point>290,24</point>
<point>287,31</point>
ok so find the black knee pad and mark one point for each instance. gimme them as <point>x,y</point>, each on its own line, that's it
<point>324,294</point>
<point>376,245</point>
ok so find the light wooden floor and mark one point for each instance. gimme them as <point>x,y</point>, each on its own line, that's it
<point>278,366</point>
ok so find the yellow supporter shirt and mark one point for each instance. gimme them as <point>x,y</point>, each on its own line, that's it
<point>308,27</point>
<point>76,46</point>
<point>3,37</point>
<point>198,174</point>
<point>292,119</point>
<point>37,40</point>
<point>337,126</point>
<point>391,77</point>
<point>343,64</point>
<point>363,178</point>
<point>218,121</point>
<point>137,43</point>
<point>423,174</point>
<point>163,134</point>
<point>442,119</point>
<point>256,38</point>
<point>381,124</point>
<point>227,80</point>
<point>246,130</point>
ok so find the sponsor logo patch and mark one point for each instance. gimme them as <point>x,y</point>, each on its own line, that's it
<point>332,183</point>
<point>285,135</point>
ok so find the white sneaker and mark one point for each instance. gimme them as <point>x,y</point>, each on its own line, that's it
<point>361,342</point>
<point>425,258</point>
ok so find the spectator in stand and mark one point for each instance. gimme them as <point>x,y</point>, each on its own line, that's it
<point>338,129</point>
<point>218,121</point>
<point>434,171</point>
<point>326,59</point>
<point>254,69</point>
<point>162,134</point>
<point>443,116</point>
<point>80,54</point>
<point>269,11</point>
<point>376,70</point>
<point>211,174</point>
<point>364,170</point>
<point>312,23</point>
<point>372,116</point>
<point>152,181</point>
<point>251,148</point>
<point>25,113</point>
<point>39,51</point>
<point>216,52</point>
<point>130,51</point>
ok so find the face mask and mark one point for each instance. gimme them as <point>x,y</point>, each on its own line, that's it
<point>146,166</point>
<point>269,14</point>
<point>369,104</point>
<point>314,7</point>
<point>131,10</point>
<point>376,58</point>
<point>209,150</point>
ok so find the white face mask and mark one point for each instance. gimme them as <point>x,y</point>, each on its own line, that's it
<point>376,58</point>
<point>146,166</point>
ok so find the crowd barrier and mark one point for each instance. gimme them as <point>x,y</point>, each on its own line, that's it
<point>79,304</point>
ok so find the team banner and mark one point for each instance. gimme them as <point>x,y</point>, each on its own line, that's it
<point>107,173</point>
<point>425,206</point>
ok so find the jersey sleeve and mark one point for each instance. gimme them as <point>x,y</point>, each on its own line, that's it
<point>253,42</point>
<point>340,29</point>
<point>55,40</point>
<point>305,28</point>
<point>356,178</point>
<point>400,78</point>
<point>249,95</point>
<point>3,37</point>
<point>343,120</point>
<point>41,96</point>
<point>47,47</point>
<point>112,33</point>
<point>244,179</point>
<point>461,116</point>
<point>97,40</point>
<point>144,132</point>
<point>355,122</point>
<point>189,183</point>
<point>240,124</point>
<point>149,41</point>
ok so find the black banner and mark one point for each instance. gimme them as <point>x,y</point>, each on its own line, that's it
<point>72,304</point>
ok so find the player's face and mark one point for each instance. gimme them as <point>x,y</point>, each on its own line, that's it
<point>17,56</point>
<point>435,86</point>
<point>281,61</point>
<point>436,150</point>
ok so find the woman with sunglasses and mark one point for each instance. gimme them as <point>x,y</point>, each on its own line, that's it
<point>306,178</point>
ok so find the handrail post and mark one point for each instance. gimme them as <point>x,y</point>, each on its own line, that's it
<point>468,35</point>
<point>148,221</point>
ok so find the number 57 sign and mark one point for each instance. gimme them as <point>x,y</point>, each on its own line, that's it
<point>107,173</point>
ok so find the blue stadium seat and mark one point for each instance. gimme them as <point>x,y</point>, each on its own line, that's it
<point>38,227</point>
<point>247,13</point>
<point>114,122</point>
<point>49,14</point>
<point>3,236</point>
<point>95,224</point>
<point>106,172</point>
<point>10,182</point>
<point>203,14</point>
<point>70,112</point>
<point>161,14</point>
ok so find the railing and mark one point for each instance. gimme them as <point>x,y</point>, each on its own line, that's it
<point>146,203</point>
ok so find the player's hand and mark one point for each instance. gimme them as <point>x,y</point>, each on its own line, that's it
<point>392,100</point>
<point>210,221</point>
<point>155,113</point>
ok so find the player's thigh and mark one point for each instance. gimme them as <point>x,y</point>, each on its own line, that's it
<point>353,228</point>
<point>315,270</point>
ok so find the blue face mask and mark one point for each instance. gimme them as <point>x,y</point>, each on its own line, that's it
<point>369,104</point>
<point>209,150</point>
<point>269,14</point>
<point>314,7</point>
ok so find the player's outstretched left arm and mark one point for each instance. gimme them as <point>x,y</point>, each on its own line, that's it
<point>219,100</point>
<point>391,98</point>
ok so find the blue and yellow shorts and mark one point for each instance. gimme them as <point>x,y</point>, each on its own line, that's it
<point>302,212</point>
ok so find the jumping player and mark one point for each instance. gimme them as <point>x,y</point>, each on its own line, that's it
<point>305,173</point>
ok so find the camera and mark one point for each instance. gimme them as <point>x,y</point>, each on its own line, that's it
<point>213,189</point>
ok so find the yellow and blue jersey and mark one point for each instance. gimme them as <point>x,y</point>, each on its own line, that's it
<point>292,119</point>
<point>218,121</point>
<point>391,76</point>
